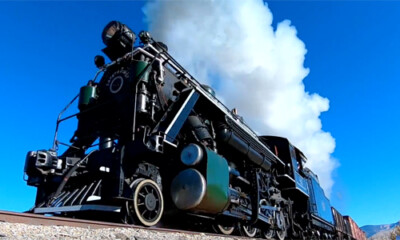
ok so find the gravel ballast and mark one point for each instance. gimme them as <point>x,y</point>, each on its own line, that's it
<point>25,231</point>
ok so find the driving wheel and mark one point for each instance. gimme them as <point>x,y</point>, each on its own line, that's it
<point>280,219</point>
<point>226,229</point>
<point>148,202</point>
<point>247,230</point>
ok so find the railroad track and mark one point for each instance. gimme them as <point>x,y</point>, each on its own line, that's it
<point>35,219</point>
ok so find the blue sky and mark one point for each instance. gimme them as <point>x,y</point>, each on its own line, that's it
<point>47,51</point>
<point>353,56</point>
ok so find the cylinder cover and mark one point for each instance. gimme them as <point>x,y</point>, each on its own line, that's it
<point>188,189</point>
<point>191,155</point>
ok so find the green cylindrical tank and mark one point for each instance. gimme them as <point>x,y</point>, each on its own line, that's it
<point>190,190</point>
<point>216,198</point>
<point>139,68</point>
<point>87,95</point>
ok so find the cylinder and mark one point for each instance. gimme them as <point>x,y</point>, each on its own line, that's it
<point>231,139</point>
<point>142,99</point>
<point>188,189</point>
<point>87,95</point>
<point>217,194</point>
<point>192,154</point>
<point>139,68</point>
<point>206,191</point>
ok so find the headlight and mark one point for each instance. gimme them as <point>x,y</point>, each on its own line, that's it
<point>119,39</point>
<point>116,32</point>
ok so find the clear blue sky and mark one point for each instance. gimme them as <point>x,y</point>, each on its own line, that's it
<point>47,51</point>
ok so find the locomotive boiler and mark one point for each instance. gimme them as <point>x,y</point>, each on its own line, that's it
<point>152,142</point>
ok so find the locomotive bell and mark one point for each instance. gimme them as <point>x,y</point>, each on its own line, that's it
<point>99,61</point>
<point>145,37</point>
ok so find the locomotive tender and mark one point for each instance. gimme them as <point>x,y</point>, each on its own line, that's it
<point>153,142</point>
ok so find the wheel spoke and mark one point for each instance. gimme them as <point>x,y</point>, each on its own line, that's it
<point>143,213</point>
<point>150,215</point>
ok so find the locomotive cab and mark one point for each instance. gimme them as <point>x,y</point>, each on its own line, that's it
<point>291,177</point>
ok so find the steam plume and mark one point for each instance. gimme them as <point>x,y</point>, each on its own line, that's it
<point>233,46</point>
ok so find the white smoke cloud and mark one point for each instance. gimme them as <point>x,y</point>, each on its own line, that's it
<point>233,46</point>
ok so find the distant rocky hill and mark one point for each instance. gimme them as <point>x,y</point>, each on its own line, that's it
<point>379,232</point>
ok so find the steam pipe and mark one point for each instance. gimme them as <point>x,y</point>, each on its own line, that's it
<point>230,138</point>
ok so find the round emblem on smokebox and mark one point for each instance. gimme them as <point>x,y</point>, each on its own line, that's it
<point>116,81</point>
<point>116,84</point>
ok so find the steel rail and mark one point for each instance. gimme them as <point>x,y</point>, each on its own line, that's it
<point>36,219</point>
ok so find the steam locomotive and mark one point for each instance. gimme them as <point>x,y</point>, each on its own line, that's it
<point>152,142</point>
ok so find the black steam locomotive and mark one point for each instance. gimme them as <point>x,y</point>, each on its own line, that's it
<point>153,142</point>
